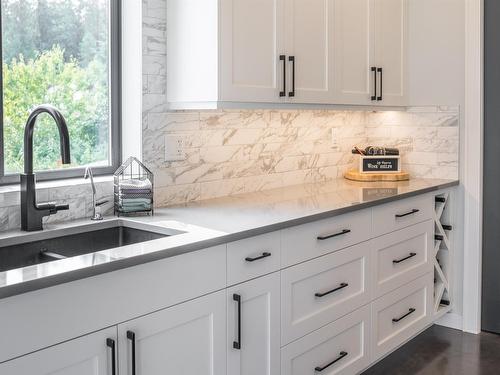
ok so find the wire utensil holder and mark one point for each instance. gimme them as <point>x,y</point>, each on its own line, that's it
<point>132,170</point>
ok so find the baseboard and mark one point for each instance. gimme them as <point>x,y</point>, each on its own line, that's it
<point>451,320</point>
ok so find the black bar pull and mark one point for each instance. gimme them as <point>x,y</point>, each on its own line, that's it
<point>397,261</point>
<point>283,58</point>
<point>381,84</point>
<point>412,212</point>
<point>410,311</point>
<point>440,200</point>
<point>374,70</point>
<point>237,344</point>
<point>264,255</point>
<point>341,355</point>
<point>110,343</point>
<point>292,60</point>
<point>447,227</point>
<point>131,337</point>
<point>342,286</point>
<point>438,237</point>
<point>344,231</point>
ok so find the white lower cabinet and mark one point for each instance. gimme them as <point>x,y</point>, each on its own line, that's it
<point>317,292</point>
<point>398,316</point>
<point>253,330</point>
<point>88,355</point>
<point>341,347</point>
<point>187,339</point>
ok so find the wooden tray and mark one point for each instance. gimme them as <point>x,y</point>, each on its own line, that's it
<point>374,177</point>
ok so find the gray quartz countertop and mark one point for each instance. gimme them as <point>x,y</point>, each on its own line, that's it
<point>209,223</point>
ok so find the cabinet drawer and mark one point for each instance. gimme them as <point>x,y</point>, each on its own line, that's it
<point>341,347</point>
<point>322,237</point>
<point>398,316</point>
<point>317,292</point>
<point>402,256</point>
<point>397,215</point>
<point>253,257</point>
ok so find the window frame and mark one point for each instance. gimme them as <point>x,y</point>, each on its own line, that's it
<point>115,110</point>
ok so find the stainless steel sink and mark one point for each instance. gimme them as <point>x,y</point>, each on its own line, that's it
<point>73,241</point>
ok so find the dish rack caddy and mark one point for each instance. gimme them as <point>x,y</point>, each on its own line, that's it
<point>132,169</point>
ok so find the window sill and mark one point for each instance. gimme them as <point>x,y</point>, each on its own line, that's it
<point>63,183</point>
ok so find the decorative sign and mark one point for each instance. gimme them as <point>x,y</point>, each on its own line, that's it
<point>380,164</point>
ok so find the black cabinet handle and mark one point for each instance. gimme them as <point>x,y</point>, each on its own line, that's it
<point>438,237</point>
<point>447,227</point>
<point>131,337</point>
<point>264,255</point>
<point>110,343</point>
<point>341,355</point>
<point>237,344</point>
<point>381,84</point>
<point>410,311</point>
<point>292,60</point>
<point>283,58</point>
<point>397,261</point>
<point>412,212</point>
<point>440,200</point>
<point>342,286</point>
<point>374,96</point>
<point>345,231</point>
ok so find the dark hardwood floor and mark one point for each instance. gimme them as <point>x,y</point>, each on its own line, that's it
<point>440,350</point>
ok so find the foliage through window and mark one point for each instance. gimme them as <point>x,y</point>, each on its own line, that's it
<point>57,52</point>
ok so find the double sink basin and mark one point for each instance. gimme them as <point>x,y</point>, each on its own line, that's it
<point>43,247</point>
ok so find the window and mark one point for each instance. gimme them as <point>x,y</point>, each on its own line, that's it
<point>64,53</point>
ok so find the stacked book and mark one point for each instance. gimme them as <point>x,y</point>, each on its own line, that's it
<point>135,196</point>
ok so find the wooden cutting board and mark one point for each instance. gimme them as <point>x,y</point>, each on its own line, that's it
<point>375,177</point>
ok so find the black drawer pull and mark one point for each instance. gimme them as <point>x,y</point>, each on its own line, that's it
<point>380,70</point>
<point>292,60</point>
<point>412,212</point>
<point>345,231</point>
<point>342,286</point>
<point>341,355</point>
<point>131,338</point>
<point>264,255</point>
<point>110,343</point>
<point>410,311</point>
<point>237,344</point>
<point>374,96</point>
<point>283,58</point>
<point>397,261</point>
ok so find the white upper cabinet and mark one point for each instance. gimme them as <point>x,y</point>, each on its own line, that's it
<point>309,40</point>
<point>251,41</point>
<point>390,55</point>
<point>286,51</point>
<point>354,51</point>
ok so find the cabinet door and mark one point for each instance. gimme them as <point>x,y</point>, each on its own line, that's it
<point>253,327</point>
<point>187,339</point>
<point>88,355</point>
<point>354,80</point>
<point>390,19</point>
<point>251,33</point>
<point>309,31</point>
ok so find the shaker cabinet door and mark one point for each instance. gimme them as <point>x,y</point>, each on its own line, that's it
<point>187,339</point>
<point>253,328</point>
<point>88,355</point>
<point>251,33</point>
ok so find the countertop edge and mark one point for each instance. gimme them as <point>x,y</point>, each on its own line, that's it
<point>76,275</point>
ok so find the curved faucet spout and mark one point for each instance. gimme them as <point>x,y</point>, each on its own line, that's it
<point>30,128</point>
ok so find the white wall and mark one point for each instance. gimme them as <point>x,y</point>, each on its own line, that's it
<point>437,66</point>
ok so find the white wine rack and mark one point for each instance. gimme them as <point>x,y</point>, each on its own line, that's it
<point>443,255</point>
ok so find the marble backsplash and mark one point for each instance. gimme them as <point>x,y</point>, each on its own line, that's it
<point>232,152</point>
